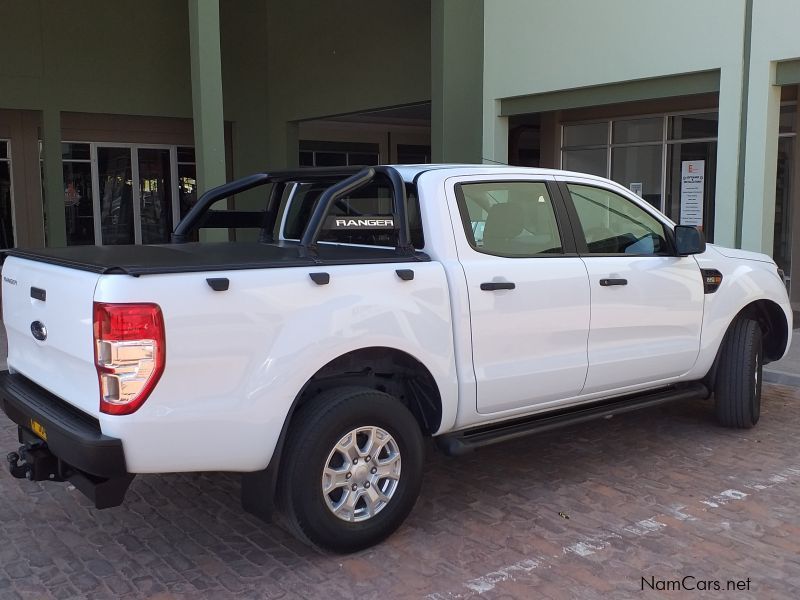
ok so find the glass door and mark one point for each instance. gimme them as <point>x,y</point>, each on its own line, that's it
<point>115,202</point>
<point>136,199</point>
<point>702,156</point>
<point>155,195</point>
<point>6,209</point>
<point>782,249</point>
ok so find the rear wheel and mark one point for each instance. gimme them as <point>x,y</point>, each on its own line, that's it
<point>737,391</point>
<point>353,469</point>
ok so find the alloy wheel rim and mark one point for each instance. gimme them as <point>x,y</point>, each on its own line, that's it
<point>361,474</point>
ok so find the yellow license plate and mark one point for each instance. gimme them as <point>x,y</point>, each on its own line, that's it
<point>38,429</point>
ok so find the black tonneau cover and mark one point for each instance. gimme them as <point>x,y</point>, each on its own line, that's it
<point>205,256</point>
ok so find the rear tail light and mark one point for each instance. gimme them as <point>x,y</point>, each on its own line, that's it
<point>129,352</point>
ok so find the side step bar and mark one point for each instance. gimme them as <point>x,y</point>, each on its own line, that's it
<point>462,442</point>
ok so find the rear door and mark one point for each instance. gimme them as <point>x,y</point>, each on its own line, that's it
<point>528,291</point>
<point>47,313</point>
<point>647,303</point>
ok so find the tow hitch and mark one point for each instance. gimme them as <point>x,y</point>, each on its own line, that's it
<point>33,461</point>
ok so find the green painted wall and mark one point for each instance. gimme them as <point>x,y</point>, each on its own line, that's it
<point>774,39</point>
<point>556,45</point>
<point>244,65</point>
<point>457,44</point>
<point>343,56</point>
<point>281,62</point>
<point>124,57</point>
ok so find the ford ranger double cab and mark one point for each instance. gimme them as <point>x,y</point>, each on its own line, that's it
<point>358,311</point>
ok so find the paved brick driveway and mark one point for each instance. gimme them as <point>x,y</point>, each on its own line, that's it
<point>663,493</point>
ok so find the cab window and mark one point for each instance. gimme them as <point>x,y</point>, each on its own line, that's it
<point>613,224</point>
<point>509,218</point>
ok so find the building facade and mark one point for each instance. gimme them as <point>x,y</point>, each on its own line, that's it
<point>113,116</point>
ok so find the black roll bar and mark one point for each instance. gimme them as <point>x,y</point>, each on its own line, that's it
<point>181,233</point>
<point>339,190</point>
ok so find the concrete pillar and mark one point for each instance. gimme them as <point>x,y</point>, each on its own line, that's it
<point>761,141</point>
<point>55,233</point>
<point>457,46</point>
<point>729,158</point>
<point>206,66</point>
<point>495,134</point>
<point>284,145</point>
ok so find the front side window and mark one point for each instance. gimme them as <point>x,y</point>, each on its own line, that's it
<point>613,224</point>
<point>509,218</point>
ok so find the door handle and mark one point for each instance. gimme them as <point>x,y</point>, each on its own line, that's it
<point>608,282</point>
<point>498,285</point>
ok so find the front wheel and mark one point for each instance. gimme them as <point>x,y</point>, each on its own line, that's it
<point>737,390</point>
<point>353,468</point>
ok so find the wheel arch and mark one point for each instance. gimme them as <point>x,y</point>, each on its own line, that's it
<point>774,330</point>
<point>773,323</point>
<point>386,369</point>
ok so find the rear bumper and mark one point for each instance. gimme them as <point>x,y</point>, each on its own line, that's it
<point>70,434</point>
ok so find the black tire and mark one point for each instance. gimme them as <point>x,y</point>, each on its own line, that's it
<point>315,430</point>
<point>737,391</point>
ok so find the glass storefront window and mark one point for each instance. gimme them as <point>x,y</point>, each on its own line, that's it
<point>591,161</point>
<point>187,187</point>
<point>694,126</point>
<point>321,153</point>
<point>639,165</point>
<point>782,249</point>
<point>788,119</point>
<point>155,195</point>
<point>362,158</point>
<point>330,159</point>
<point>73,151</point>
<point>647,153</point>
<point>6,209</point>
<point>104,205</point>
<point>78,198</point>
<point>586,134</point>
<point>638,130</point>
<point>116,195</point>
<point>78,203</point>
<point>185,154</point>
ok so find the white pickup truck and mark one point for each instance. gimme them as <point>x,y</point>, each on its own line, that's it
<point>372,308</point>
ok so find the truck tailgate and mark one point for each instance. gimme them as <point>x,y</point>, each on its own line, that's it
<point>55,301</point>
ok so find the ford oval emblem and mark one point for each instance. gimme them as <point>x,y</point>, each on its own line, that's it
<point>39,331</point>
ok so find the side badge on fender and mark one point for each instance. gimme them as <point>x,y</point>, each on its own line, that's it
<point>39,331</point>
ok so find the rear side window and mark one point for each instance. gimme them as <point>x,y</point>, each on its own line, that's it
<point>364,218</point>
<point>509,218</point>
<point>613,224</point>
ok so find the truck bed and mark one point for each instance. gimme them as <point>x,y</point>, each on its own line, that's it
<point>205,256</point>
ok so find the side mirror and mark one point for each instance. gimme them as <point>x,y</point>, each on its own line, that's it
<point>689,240</point>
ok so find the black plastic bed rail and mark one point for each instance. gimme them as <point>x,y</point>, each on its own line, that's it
<point>350,180</point>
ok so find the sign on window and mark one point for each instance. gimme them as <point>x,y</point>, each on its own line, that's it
<point>692,185</point>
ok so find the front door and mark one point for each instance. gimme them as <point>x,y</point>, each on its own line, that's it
<point>135,200</point>
<point>647,304</point>
<point>528,294</point>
